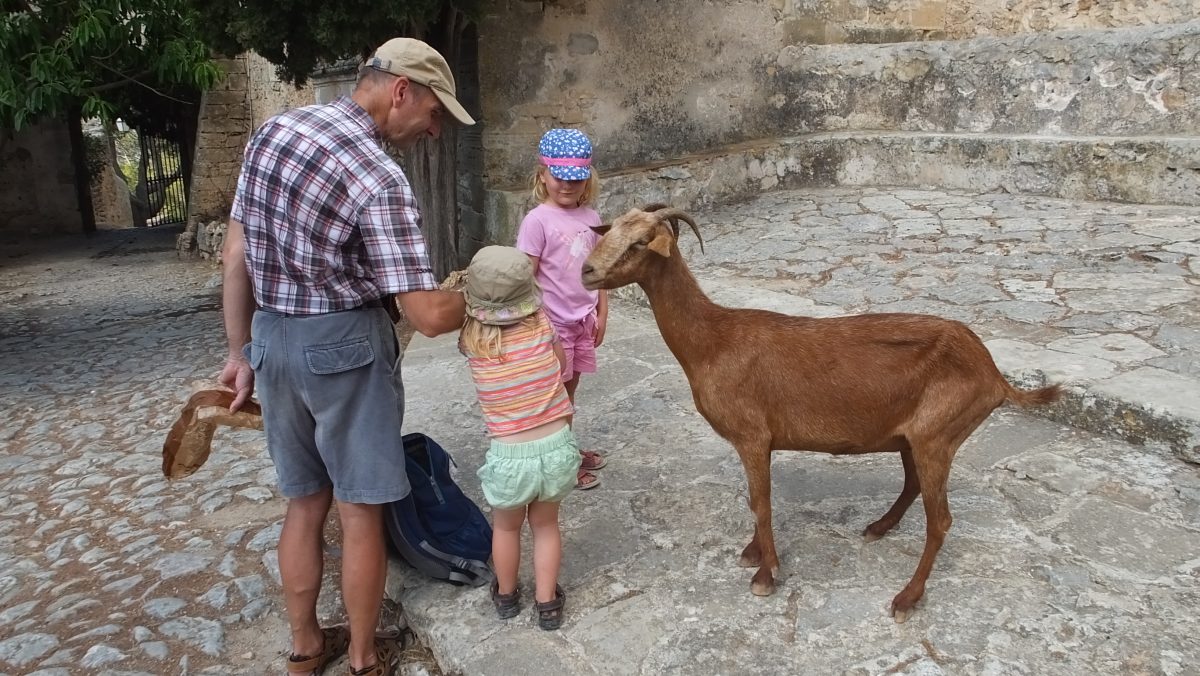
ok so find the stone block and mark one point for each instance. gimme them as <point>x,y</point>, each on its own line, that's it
<point>928,16</point>
<point>804,31</point>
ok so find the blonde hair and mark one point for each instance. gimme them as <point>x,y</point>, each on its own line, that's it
<point>485,340</point>
<point>590,191</point>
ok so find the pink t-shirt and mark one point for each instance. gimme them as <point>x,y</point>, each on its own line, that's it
<point>561,239</point>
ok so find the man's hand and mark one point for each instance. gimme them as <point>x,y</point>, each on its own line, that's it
<point>433,313</point>
<point>239,377</point>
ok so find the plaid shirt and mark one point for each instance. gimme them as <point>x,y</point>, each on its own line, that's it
<point>330,220</point>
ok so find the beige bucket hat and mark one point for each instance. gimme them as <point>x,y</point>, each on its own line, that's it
<point>500,286</point>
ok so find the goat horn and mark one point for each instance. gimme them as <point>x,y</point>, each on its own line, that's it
<point>674,216</point>
<point>655,206</point>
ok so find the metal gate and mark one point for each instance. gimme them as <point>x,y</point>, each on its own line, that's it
<point>166,179</point>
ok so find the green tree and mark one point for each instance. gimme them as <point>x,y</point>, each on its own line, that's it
<point>103,58</point>
<point>299,36</point>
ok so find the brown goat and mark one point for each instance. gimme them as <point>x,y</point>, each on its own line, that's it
<point>913,384</point>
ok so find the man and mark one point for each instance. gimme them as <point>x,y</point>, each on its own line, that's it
<point>324,227</point>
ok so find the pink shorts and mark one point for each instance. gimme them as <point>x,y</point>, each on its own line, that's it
<point>579,343</point>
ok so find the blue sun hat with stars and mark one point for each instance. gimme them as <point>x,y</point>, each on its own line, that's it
<point>567,153</point>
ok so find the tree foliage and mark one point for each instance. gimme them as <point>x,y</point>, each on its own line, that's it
<point>299,36</point>
<point>109,58</point>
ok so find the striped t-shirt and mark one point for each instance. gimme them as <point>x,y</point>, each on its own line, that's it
<point>522,388</point>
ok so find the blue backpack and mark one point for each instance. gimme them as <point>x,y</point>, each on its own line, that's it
<point>436,529</point>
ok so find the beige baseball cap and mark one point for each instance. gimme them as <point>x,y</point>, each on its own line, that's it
<point>422,64</point>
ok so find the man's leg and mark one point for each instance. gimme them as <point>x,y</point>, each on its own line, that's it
<point>364,572</point>
<point>300,567</point>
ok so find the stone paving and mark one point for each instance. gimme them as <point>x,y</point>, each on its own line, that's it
<point>105,567</point>
<point>1070,552</point>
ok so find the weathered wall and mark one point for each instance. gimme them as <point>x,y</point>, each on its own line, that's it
<point>110,200</point>
<point>1119,82</point>
<point>221,136</point>
<point>269,96</point>
<point>653,81</point>
<point>249,94</point>
<point>878,21</point>
<point>37,182</point>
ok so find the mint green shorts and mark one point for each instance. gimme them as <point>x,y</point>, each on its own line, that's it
<point>543,470</point>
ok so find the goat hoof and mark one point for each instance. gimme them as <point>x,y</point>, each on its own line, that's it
<point>901,610</point>
<point>760,588</point>
<point>870,536</point>
<point>751,556</point>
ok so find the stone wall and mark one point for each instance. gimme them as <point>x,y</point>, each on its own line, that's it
<point>269,96</point>
<point>222,132</point>
<point>229,114</point>
<point>653,81</point>
<point>110,200</point>
<point>881,21</point>
<point>1119,82</point>
<point>700,103</point>
<point>37,182</point>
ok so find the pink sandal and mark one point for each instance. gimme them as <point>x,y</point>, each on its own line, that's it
<point>585,480</point>
<point>592,461</point>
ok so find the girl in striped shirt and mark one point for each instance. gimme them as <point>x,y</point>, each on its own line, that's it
<point>516,362</point>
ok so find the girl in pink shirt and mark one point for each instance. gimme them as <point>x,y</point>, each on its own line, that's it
<point>557,236</point>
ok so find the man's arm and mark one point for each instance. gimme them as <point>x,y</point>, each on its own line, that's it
<point>433,313</point>
<point>237,297</point>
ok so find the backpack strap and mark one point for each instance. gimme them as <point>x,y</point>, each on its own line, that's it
<point>478,569</point>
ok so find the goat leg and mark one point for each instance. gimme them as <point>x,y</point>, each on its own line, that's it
<point>912,487</point>
<point>933,471</point>
<point>756,459</point>
<point>752,555</point>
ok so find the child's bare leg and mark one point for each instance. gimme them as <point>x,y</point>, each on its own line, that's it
<point>571,385</point>
<point>506,546</point>
<point>585,476</point>
<point>547,549</point>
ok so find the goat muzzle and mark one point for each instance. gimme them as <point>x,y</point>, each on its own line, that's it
<point>591,280</point>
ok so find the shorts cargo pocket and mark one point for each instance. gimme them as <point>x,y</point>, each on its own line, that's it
<point>254,352</point>
<point>338,357</point>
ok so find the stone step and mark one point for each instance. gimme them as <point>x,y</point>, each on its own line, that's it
<point>1145,170</point>
<point>1142,170</point>
<point>1118,82</point>
<point>1100,297</point>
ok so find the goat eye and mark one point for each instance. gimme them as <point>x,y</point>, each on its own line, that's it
<point>641,243</point>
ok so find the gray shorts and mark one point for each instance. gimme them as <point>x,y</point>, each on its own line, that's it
<point>332,403</point>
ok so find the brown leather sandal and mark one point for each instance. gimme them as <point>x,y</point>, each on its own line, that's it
<point>507,605</point>
<point>550,613</point>
<point>388,647</point>
<point>336,640</point>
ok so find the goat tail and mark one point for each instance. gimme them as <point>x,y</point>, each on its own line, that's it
<point>1038,397</point>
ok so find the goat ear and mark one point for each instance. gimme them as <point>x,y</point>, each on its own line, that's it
<point>661,245</point>
<point>601,229</point>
